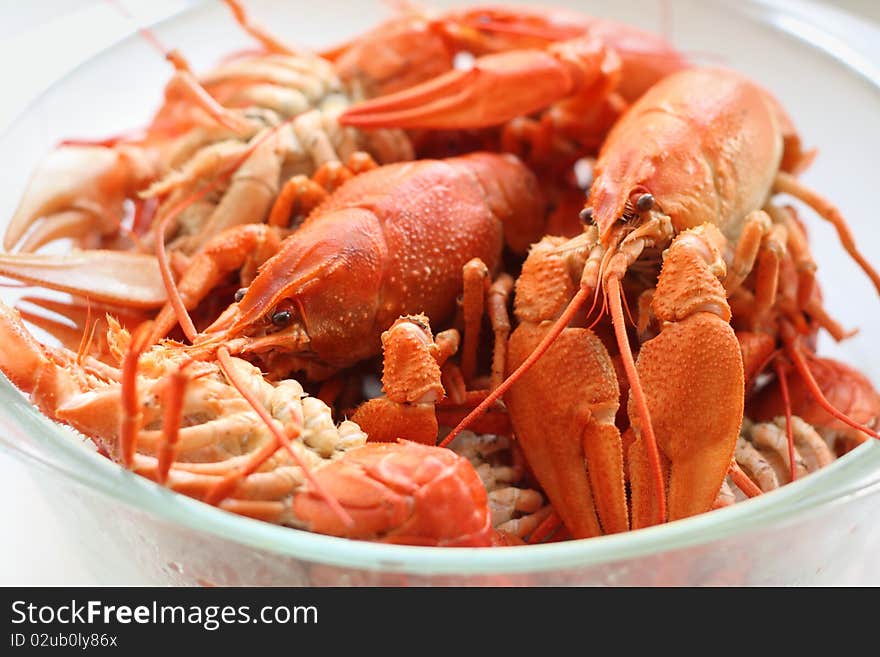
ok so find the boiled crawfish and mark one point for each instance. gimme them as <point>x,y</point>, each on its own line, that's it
<point>654,188</point>
<point>388,242</point>
<point>250,126</point>
<point>619,428</point>
<point>485,191</point>
<point>223,453</point>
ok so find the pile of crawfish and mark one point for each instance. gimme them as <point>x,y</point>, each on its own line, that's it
<point>476,277</point>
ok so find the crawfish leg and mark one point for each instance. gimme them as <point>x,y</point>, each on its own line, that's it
<point>172,418</point>
<point>331,175</point>
<point>761,246</point>
<point>451,377</point>
<point>692,373</point>
<point>755,227</point>
<point>757,349</point>
<point>132,413</point>
<point>473,300</point>
<point>499,294</point>
<point>769,261</point>
<point>302,194</point>
<point>797,245</point>
<point>250,193</point>
<point>644,315</point>
<point>766,237</point>
<point>298,197</point>
<point>461,401</point>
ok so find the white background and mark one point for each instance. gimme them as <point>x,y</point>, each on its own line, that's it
<point>39,41</point>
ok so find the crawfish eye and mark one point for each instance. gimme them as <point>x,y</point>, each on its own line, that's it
<point>645,202</point>
<point>239,294</point>
<point>586,215</point>
<point>281,318</point>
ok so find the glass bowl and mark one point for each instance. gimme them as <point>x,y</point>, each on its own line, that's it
<point>817,530</point>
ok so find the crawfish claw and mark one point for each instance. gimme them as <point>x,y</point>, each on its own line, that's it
<point>128,279</point>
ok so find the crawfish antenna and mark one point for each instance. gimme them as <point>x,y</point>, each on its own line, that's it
<point>614,295</point>
<point>174,297</point>
<point>803,369</point>
<point>269,41</point>
<point>148,34</point>
<point>187,82</point>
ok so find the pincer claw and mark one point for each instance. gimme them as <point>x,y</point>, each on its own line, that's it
<point>116,277</point>
<point>76,187</point>
<point>498,88</point>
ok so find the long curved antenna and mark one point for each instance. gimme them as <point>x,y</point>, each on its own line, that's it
<point>601,276</point>
<point>269,41</point>
<point>190,85</point>
<point>803,369</point>
<point>627,311</point>
<point>614,294</point>
<point>174,298</point>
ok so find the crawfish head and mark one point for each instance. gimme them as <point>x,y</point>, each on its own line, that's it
<point>389,242</point>
<point>706,161</point>
<point>305,300</point>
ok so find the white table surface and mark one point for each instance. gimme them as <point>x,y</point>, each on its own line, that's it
<point>32,550</point>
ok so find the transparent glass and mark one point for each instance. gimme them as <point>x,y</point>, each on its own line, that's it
<point>818,530</point>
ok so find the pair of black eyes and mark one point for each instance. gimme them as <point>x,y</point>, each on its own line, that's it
<point>279,318</point>
<point>643,204</point>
